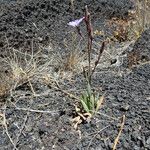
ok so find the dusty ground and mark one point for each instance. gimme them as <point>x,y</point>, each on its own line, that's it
<point>43,121</point>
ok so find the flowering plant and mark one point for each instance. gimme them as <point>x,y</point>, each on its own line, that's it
<point>76,22</point>
<point>89,102</point>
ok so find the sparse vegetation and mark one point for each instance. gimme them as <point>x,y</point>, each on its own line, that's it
<point>24,68</point>
<point>141,18</point>
<point>131,28</point>
<point>63,96</point>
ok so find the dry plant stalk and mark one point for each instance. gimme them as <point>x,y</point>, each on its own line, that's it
<point>90,40</point>
<point>119,134</point>
<point>89,29</point>
<point>72,6</point>
<point>4,123</point>
<point>99,56</point>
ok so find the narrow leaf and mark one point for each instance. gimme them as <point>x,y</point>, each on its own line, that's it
<point>92,100</point>
<point>99,103</point>
<point>89,89</point>
<point>85,106</point>
<point>84,98</point>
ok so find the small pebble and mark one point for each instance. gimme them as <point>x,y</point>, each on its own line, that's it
<point>148,141</point>
<point>125,108</point>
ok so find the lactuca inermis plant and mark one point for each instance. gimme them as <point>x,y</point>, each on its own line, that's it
<point>88,100</point>
<point>89,28</point>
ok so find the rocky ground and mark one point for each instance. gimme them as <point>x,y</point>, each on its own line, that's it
<point>38,114</point>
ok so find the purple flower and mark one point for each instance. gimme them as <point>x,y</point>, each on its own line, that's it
<point>76,22</point>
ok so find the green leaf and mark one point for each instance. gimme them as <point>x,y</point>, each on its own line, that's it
<point>85,106</point>
<point>92,102</point>
<point>89,89</point>
<point>84,98</point>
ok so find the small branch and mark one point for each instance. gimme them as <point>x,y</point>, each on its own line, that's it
<point>119,134</point>
<point>96,135</point>
<point>37,111</point>
<point>33,110</point>
<point>21,130</point>
<point>63,91</point>
<point>32,89</point>
<point>99,56</point>
<point>6,129</point>
<point>108,116</point>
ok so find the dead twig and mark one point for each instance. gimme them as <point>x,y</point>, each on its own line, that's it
<point>90,40</point>
<point>108,116</point>
<point>6,128</point>
<point>34,110</point>
<point>32,89</point>
<point>121,128</point>
<point>37,111</point>
<point>96,135</point>
<point>58,88</point>
<point>21,130</point>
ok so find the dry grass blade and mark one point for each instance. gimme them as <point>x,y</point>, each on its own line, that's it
<point>99,102</point>
<point>22,66</point>
<point>72,61</point>
<point>119,134</point>
<point>74,58</point>
<point>35,110</point>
